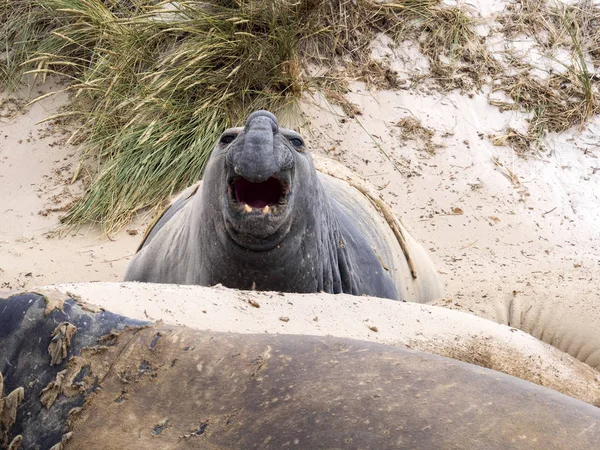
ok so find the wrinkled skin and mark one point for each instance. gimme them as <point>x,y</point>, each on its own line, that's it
<point>264,219</point>
<point>570,323</point>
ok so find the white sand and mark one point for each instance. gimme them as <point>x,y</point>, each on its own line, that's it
<point>508,233</point>
<point>35,174</point>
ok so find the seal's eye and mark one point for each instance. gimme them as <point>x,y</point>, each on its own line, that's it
<point>297,142</point>
<point>227,138</point>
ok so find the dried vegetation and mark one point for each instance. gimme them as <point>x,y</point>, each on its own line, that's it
<point>412,129</point>
<point>566,97</point>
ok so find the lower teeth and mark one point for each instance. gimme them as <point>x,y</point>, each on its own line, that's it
<point>273,209</point>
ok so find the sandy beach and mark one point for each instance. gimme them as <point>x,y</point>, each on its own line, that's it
<point>495,222</point>
<point>36,172</point>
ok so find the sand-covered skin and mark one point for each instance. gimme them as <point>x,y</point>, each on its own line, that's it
<point>432,329</point>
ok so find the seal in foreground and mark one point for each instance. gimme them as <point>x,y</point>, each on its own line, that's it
<point>99,380</point>
<point>263,218</point>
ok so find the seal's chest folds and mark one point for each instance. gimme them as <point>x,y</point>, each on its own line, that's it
<point>265,217</point>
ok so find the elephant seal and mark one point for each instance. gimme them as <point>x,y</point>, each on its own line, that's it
<point>263,218</point>
<point>156,386</point>
<point>569,322</point>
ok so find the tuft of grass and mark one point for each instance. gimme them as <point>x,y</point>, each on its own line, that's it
<point>154,83</point>
<point>579,69</point>
<point>537,18</point>
<point>557,104</point>
<point>520,142</point>
<point>156,86</point>
<point>446,35</point>
<point>459,58</point>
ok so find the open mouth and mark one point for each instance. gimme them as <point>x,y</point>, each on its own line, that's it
<point>268,197</point>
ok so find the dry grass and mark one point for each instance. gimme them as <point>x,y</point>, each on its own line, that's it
<point>558,104</point>
<point>458,56</point>
<point>537,18</point>
<point>411,128</point>
<point>154,83</point>
<point>378,76</point>
<point>545,21</point>
<point>521,143</point>
<point>565,99</point>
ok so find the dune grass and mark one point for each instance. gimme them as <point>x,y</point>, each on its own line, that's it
<point>154,83</point>
<point>567,98</point>
<point>458,56</point>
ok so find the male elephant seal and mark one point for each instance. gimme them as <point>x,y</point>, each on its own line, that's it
<point>172,387</point>
<point>263,218</point>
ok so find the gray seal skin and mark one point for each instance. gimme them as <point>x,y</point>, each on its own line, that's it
<point>170,387</point>
<point>26,331</point>
<point>263,218</point>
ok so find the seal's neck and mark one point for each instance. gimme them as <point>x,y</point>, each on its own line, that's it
<point>311,258</point>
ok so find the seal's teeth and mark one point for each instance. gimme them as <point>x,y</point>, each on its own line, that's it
<point>266,209</point>
<point>247,208</point>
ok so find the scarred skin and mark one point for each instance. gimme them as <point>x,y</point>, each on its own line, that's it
<point>311,240</point>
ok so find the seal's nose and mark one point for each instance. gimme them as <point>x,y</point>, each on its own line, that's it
<point>263,113</point>
<point>258,160</point>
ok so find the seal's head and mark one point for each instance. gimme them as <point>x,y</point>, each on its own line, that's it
<point>266,167</point>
